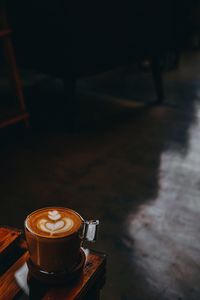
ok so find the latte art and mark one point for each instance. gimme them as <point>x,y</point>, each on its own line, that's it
<point>54,215</point>
<point>54,237</point>
<point>54,222</point>
<point>55,227</point>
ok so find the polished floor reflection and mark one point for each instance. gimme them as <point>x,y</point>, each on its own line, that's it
<point>136,169</point>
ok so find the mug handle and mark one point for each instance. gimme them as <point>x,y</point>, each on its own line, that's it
<point>90,230</point>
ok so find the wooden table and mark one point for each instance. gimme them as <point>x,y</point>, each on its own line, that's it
<point>13,274</point>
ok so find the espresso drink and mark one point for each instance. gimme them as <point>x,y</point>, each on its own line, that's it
<point>54,236</point>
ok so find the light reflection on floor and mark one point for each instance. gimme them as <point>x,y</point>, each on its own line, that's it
<point>165,230</point>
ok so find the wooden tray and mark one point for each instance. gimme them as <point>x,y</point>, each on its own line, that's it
<point>9,239</point>
<point>13,280</point>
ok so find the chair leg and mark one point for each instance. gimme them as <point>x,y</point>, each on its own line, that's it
<point>13,72</point>
<point>158,79</point>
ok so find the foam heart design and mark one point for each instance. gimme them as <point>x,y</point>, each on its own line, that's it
<point>54,215</point>
<point>54,226</point>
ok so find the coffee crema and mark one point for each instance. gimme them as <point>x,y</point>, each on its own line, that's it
<point>53,222</point>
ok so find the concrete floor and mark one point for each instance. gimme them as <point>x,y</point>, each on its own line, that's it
<point>135,169</point>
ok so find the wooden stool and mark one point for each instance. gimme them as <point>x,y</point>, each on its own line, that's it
<point>11,117</point>
<point>13,256</point>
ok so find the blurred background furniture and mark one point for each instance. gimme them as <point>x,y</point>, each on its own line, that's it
<point>74,39</point>
<point>195,21</point>
<point>19,113</point>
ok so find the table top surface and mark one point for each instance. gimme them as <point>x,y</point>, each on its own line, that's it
<point>14,272</point>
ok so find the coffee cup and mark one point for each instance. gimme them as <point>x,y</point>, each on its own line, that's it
<point>54,237</point>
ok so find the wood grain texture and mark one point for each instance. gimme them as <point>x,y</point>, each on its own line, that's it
<point>8,286</point>
<point>7,238</point>
<point>93,272</point>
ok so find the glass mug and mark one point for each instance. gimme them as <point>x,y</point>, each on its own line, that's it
<point>54,237</point>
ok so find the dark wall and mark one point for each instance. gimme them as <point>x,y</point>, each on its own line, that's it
<point>82,36</point>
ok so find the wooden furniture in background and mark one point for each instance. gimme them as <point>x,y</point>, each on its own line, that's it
<point>18,114</point>
<point>88,286</point>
